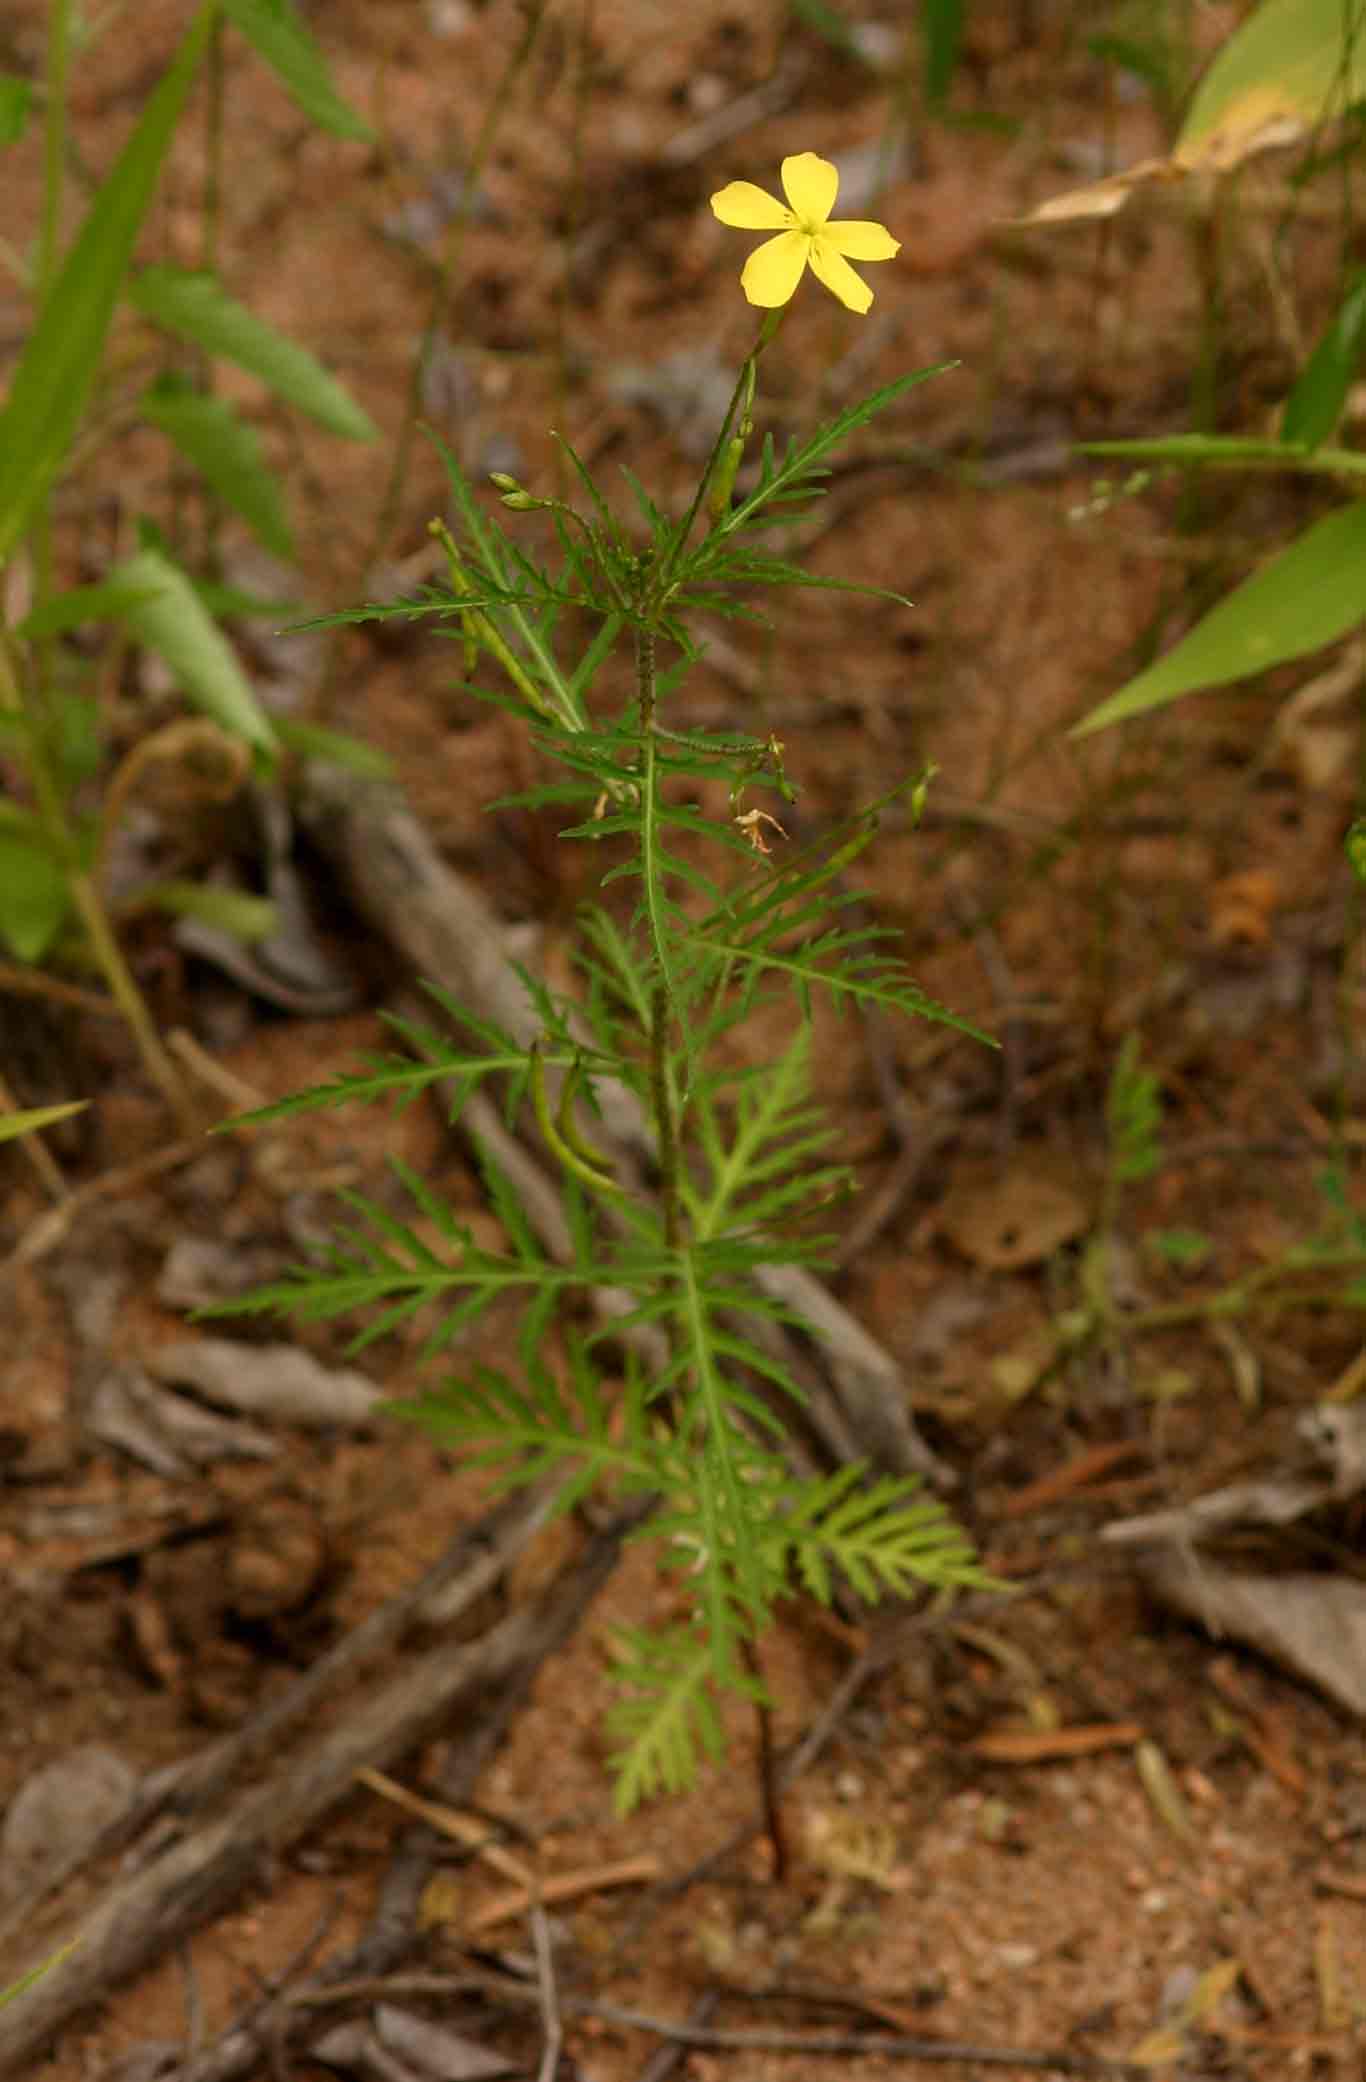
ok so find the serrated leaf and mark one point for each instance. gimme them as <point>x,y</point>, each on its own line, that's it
<point>169,618</point>
<point>196,306</point>
<point>227,454</point>
<point>1308,596</point>
<point>50,387</point>
<point>277,34</point>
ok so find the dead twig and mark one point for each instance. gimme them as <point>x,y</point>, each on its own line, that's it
<point>196,1877</point>
<point>845,2045</point>
<point>552,2030</point>
<point>564,1886</point>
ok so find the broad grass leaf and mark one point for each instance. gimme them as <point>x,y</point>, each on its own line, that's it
<point>197,307</point>
<point>16,100</point>
<point>1308,596</point>
<point>57,368</point>
<point>12,1124</point>
<point>278,36</point>
<point>942,29</point>
<point>171,620</point>
<point>1315,405</point>
<point>34,899</point>
<point>227,454</point>
<point>104,602</point>
<point>235,911</point>
<point>1292,65</point>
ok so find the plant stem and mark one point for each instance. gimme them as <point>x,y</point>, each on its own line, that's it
<point>130,1000</point>
<point>662,1097</point>
<point>770,1790</point>
<point>767,330</point>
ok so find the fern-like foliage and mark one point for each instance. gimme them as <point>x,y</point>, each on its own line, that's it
<point>701,917</point>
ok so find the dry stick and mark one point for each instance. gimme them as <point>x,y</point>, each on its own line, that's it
<point>564,1886</point>
<point>199,1877</point>
<point>671,2055</point>
<point>470,1566</point>
<point>50,1229</point>
<point>696,2032</point>
<point>552,2028</point>
<point>366,1969</point>
<point>869,2045</point>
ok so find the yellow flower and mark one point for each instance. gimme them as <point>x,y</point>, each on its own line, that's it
<point>805,234</point>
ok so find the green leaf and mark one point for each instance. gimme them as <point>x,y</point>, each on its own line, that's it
<point>227,454</point>
<point>1300,60</point>
<point>828,22</point>
<point>1354,846</point>
<point>337,747</point>
<point>276,34</point>
<point>233,911</point>
<point>52,383</point>
<point>34,900</point>
<point>942,29</point>
<point>105,602</point>
<point>1314,406</point>
<point>196,306</point>
<point>16,99</point>
<point>1232,451</point>
<point>70,737</point>
<point>1308,596</point>
<point>12,1124</point>
<point>665,1718</point>
<point>170,619</point>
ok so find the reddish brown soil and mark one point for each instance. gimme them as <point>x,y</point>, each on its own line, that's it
<point>1063,895</point>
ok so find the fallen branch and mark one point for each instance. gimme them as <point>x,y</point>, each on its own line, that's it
<point>202,1874</point>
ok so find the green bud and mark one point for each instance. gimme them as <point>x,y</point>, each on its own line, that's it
<point>522,502</point>
<point>1355,847</point>
<point>502,482</point>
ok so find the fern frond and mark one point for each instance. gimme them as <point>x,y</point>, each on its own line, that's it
<point>885,1536</point>
<point>665,1719</point>
<point>380,1262</point>
<point>528,1428</point>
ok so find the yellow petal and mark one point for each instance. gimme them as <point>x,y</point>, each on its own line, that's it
<point>839,278</point>
<point>774,269</point>
<point>748,208</point>
<point>858,241</point>
<point>810,185</point>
